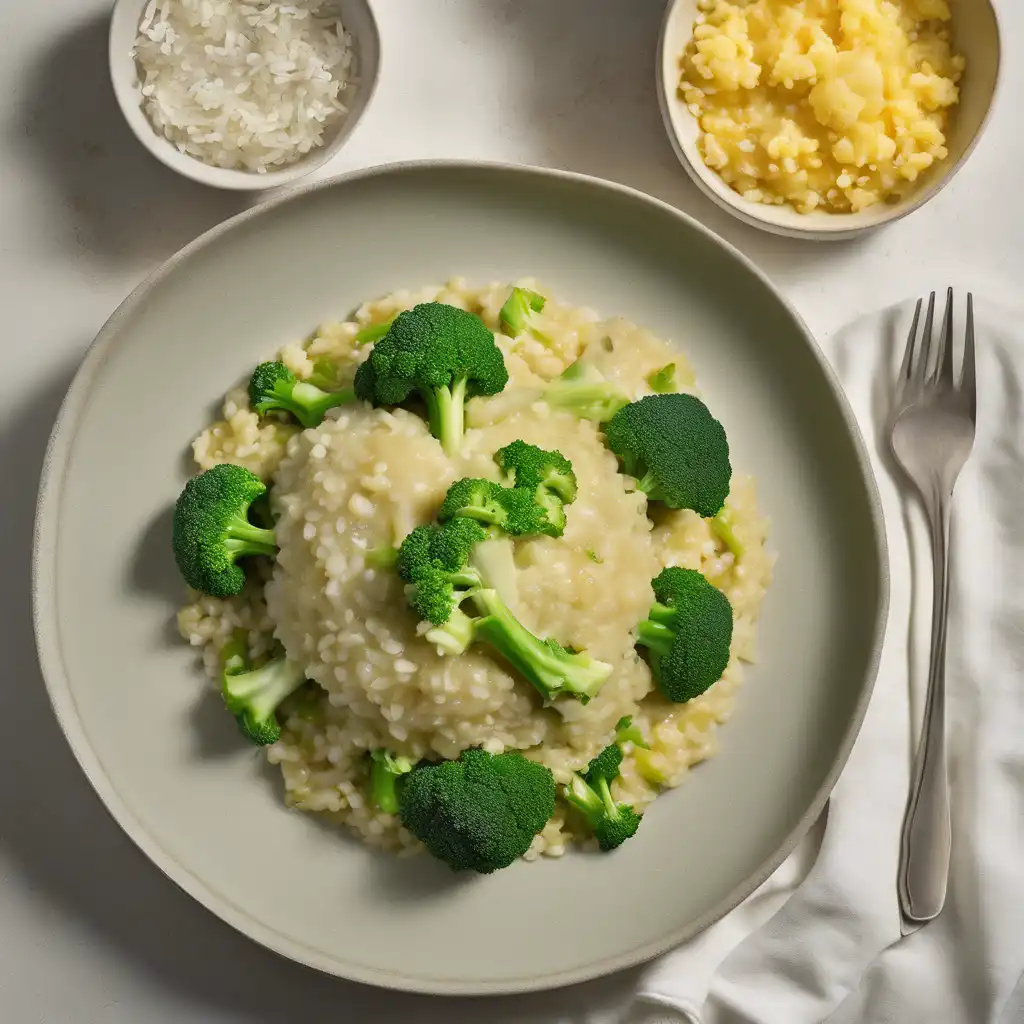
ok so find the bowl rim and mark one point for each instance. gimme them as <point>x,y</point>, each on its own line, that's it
<point>752,213</point>
<point>124,82</point>
<point>56,678</point>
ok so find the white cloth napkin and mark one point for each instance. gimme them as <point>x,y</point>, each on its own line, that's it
<point>820,940</point>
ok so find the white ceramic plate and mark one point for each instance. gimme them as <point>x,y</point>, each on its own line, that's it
<point>167,761</point>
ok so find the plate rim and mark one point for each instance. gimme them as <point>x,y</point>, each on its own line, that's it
<point>46,624</point>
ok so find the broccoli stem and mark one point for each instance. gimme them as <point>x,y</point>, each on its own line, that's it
<point>584,799</point>
<point>310,404</point>
<point>552,673</point>
<point>723,526</point>
<point>599,402</point>
<point>446,411</point>
<point>373,332</point>
<point>655,636</point>
<point>382,557</point>
<point>383,789</point>
<point>261,690</point>
<point>604,791</point>
<point>385,771</point>
<point>455,636</point>
<point>242,538</point>
<point>662,614</point>
<point>648,483</point>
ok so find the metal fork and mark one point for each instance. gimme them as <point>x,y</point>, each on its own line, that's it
<point>933,425</point>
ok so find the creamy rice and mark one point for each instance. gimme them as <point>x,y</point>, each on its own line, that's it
<point>365,477</point>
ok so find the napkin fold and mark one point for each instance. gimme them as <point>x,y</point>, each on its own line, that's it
<point>820,940</point>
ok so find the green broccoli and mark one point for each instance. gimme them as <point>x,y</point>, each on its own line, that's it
<point>385,557</point>
<point>676,449</point>
<point>479,813</point>
<point>211,529</point>
<point>373,332</point>
<point>723,525</point>
<point>528,466</point>
<point>687,633</point>
<point>385,771</point>
<point>516,315</point>
<point>612,823</point>
<point>627,732</point>
<point>326,374</point>
<point>433,561</point>
<point>581,390</point>
<point>663,381</point>
<point>274,387</point>
<point>542,483</point>
<point>547,474</point>
<point>553,670</point>
<point>508,510</point>
<point>254,695</point>
<point>441,353</point>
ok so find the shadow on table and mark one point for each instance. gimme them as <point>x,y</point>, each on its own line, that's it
<point>107,184</point>
<point>56,836</point>
<point>588,87</point>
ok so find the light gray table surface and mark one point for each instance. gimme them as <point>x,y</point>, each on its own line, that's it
<point>89,930</point>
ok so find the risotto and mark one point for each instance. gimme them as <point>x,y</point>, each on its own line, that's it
<point>364,478</point>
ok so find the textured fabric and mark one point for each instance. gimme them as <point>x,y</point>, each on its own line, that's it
<point>820,940</point>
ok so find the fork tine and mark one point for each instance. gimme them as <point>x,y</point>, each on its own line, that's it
<point>906,369</point>
<point>943,372</point>
<point>968,379</point>
<point>924,358</point>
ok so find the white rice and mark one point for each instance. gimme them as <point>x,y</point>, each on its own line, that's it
<point>245,84</point>
<point>366,476</point>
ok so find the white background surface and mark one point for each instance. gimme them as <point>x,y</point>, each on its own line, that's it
<point>89,931</point>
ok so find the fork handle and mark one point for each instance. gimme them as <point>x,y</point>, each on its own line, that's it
<point>926,839</point>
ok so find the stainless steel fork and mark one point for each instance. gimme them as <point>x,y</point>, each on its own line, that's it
<point>933,424</point>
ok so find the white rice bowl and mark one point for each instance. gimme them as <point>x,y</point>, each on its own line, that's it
<point>365,477</point>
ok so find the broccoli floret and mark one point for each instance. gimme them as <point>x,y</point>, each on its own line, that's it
<point>663,381</point>
<point>254,695</point>
<point>590,793</point>
<point>687,633</point>
<point>441,353</point>
<point>509,510</point>
<point>274,387</point>
<point>627,732</point>
<point>534,468</point>
<point>547,474</point>
<point>516,315</point>
<point>212,531</point>
<point>723,525</point>
<point>479,813</point>
<point>433,561</point>
<point>385,771</point>
<point>676,449</point>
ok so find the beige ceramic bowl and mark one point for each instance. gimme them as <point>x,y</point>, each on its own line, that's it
<point>976,32</point>
<point>358,19</point>
<point>165,756</point>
